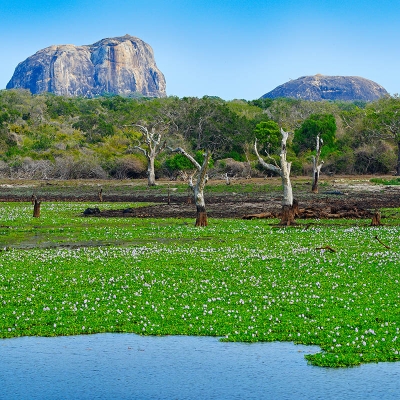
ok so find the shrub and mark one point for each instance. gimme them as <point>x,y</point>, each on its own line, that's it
<point>127,167</point>
<point>372,159</point>
<point>84,167</point>
<point>178,162</point>
<point>233,168</point>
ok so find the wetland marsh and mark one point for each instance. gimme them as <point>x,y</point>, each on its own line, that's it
<point>242,281</point>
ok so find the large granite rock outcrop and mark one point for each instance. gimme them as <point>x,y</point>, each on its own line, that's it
<point>320,87</point>
<point>120,65</point>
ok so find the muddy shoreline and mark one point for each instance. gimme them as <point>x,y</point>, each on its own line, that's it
<point>335,195</point>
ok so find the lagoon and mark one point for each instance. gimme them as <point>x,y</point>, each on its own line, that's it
<point>129,366</point>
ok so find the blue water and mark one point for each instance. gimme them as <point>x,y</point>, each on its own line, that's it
<point>128,366</point>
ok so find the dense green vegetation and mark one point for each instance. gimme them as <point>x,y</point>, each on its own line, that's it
<point>64,274</point>
<point>382,181</point>
<point>48,136</point>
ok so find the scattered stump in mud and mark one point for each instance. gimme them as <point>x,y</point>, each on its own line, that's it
<point>289,213</point>
<point>201,217</point>
<point>36,207</point>
<point>376,219</point>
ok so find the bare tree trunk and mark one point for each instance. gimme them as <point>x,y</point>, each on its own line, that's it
<point>151,176</point>
<point>289,213</point>
<point>201,215</point>
<point>316,166</point>
<point>314,187</point>
<point>198,188</point>
<point>398,159</point>
<point>152,139</point>
<point>289,210</point>
<point>286,183</point>
<point>287,217</point>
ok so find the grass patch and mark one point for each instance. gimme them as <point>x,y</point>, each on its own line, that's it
<point>382,181</point>
<point>240,280</point>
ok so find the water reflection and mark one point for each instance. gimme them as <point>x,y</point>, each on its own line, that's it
<point>127,366</point>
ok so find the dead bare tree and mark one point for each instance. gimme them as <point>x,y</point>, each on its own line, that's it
<point>198,187</point>
<point>289,206</point>
<point>152,139</point>
<point>317,165</point>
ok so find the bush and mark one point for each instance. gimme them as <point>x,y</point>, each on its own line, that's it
<point>127,167</point>
<point>372,159</point>
<point>4,170</point>
<point>26,168</point>
<point>178,162</point>
<point>233,168</point>
<point>87,167</point>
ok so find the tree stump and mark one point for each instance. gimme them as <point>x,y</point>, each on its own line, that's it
<point>201,217</point>
<point>376,219</point>
<point>289,213</point>
<point>287,217</point>
<point>36,208</point>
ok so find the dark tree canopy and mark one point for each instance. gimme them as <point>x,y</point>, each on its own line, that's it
<point>305,137</point>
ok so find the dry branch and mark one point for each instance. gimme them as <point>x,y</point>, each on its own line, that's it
<point>380,241</point>
<point>326,248</point>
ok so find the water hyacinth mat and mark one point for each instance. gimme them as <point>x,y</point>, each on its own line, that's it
<point>334,284</point>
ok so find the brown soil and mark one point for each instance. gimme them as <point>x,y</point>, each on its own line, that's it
<point>338,197</point>
<point>350,203</point>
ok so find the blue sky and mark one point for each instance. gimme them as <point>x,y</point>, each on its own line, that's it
<point>226,48</point>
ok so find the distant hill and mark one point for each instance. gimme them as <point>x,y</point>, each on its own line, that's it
<point>321,87</point>
<point>121,65</point>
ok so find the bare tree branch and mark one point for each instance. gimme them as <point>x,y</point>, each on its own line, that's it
<point>187,155</point>
<point>266,165</point>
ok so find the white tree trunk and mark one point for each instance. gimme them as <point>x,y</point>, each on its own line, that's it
<point>284,172</point>
<point>316,165</point>
<point>151,176</point>
<point>198,188</point>
<point>154,148</point>
<point>286,184</point>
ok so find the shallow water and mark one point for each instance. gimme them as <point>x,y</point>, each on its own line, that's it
<point>128,366</point>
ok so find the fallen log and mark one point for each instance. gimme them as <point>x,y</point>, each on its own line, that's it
<point>326,248</point>
<point>259,216</point>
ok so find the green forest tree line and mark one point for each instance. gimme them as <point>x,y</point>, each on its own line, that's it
<point>48,136</point>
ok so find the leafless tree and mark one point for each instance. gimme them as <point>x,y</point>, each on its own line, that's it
<point>198,187</point>
<point>151,137</point>
<point>289,206</point>
<point>317,165</point>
